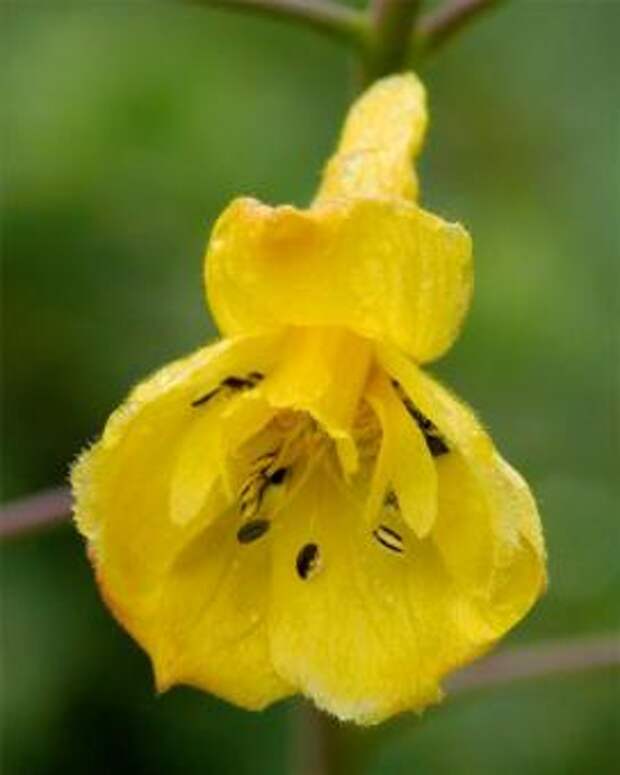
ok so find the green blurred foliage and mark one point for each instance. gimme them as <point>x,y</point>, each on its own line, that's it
<point>127,126</point>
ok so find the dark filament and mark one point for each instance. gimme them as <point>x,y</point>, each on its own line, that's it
<point>232,382</point>
<point>207,397</point>
<point>434,440</point>
<point>253,503</point>
<point>252,530</point>
<point>307,560</point>
<point>259,482</point>
<point>389,538</point>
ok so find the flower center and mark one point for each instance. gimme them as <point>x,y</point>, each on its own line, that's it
<point>271,464</point>
<point>275,463</point>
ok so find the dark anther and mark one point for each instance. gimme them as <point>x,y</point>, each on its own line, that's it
<point>391,499</point>
<point>232,382</point>
<point>437,446</point>
<point>307,560</point>
<point>252,530</point>
<point>389,538</point>
<point>236,383</point>
<point>434,440</point>
<point>278,476</point>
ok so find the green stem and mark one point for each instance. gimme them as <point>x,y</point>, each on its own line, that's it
<point>388,43</point>
<point>323,15</point>
<point>436,28</point>
<point>386,34</point>
<point>322,745</point>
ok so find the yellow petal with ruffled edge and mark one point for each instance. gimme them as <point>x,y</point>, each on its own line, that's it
<point>122,484</point>
<point>364,631</point>
<point>384,269</point>
<point>383,132</point>
<point>212,619</point>
<point>487,528</point>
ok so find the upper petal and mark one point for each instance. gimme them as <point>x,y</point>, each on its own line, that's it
<point>386,269</point>
<point>383,132</point>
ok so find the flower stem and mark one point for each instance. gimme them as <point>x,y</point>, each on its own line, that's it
<point>35,512</point>
<point>388,44</point>
<point>322,745</point>
<point>325,16</point>
<point>540,660</point>
<point>436,28</point>
<point>389,35</point>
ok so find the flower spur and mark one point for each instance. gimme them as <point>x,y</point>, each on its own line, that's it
<point>299,507</point>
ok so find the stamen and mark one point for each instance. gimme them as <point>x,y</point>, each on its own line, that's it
<point>391,500</point>
<point>307,560</point>
<point>251,497</point>
<point>367,435</point>
<point>278,476</point>
<point>207,397</point>
<point>232,382</point>
<point>389,538</point>
<point>262,463</point>
<point>237,383</point>
<point>436,445</point>
<point>252,530</point>
<point>246,487</point>
<point>253,491</point>
<point>434,440</point>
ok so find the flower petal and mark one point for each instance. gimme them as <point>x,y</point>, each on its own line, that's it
<point>487,529</point>
<point>323,371</point>
<point>384,269</point>
<point>122,484</point>
<point>197,467</point>
<point>212,618</point>
<point>382,134</point>
<point>364,630</point>
<point>404,461</point>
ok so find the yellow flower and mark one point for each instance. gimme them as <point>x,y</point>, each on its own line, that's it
<point>299,507</point>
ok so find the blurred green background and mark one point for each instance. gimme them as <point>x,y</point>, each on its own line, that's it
<point>127,126</point>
